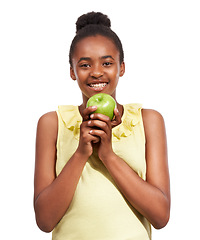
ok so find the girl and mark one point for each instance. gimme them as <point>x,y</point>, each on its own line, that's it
<point>96,178</point>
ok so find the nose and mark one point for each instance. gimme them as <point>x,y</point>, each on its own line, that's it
<point>96,71</point>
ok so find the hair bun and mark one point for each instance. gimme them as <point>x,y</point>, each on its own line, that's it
<point>97,18</point>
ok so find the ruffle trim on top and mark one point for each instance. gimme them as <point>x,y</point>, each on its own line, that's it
<point>131,117</point>
<point>72,120</point>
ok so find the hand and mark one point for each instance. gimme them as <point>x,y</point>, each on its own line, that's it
<point>101,127</point>
<point>117,118</point>
<point>85,147</point>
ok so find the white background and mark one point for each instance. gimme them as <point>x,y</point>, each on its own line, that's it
<point>161,41</point>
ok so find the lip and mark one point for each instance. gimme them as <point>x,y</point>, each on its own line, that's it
<point>97,86</point>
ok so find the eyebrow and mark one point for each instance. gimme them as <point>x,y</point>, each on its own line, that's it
<point>88,58</point>
<point>84,58</point>
<point>107,56</point>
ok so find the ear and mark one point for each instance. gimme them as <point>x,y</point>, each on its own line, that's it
<point>122,69</point>
<point>72,74</point>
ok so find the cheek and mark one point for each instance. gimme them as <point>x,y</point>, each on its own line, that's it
<point>115,73</point>
<point>80,74</point>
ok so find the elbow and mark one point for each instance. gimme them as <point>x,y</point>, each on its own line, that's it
<point>163,215</point>
<point>43,225</point>
<point>161,221</point>
<point>43,217</point>
<point>45,228</point>
<point>161,224</point>
<point>43,220</point>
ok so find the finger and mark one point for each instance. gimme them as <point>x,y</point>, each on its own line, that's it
<point>87,111</point>
<point>94,139</point>
<point>99,125</point>
<point>117,120</point>
<point>104,119</point>
<point>85,135</point>
<point>101,117</point>
<point>98,133</point>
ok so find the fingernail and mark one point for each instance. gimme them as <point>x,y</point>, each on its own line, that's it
<point>92,115</point>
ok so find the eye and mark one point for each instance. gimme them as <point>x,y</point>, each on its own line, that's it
<point>106,64</point>
<point>84,65</point>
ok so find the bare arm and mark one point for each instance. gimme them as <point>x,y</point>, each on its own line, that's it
<point>53,195</point>
<point>151,197</point>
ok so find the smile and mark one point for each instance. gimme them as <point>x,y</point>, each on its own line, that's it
<point>97,86</point>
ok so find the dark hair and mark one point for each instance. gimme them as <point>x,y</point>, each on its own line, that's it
<point>92,24</point>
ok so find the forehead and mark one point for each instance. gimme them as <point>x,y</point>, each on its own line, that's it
<point>95,46</point>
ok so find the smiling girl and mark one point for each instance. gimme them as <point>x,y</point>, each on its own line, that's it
<point>96,178</point>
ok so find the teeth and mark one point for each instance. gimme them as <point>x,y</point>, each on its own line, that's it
<point>97,85</point>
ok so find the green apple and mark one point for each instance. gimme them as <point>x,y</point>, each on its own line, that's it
<point>104,102</point>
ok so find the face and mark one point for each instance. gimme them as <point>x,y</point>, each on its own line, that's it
<point>96,66</point>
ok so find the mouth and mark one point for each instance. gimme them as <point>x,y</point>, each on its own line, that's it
<point>97,86</point>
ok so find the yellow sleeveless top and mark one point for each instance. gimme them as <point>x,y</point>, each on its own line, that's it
<point>98,210</point>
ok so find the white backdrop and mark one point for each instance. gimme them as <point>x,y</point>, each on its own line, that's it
<point>162,55</point>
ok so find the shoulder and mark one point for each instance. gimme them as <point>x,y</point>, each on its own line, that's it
<point>48,124</point>
<point>153,122</point>
<point>49,119</point>
<point>151,115</point>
